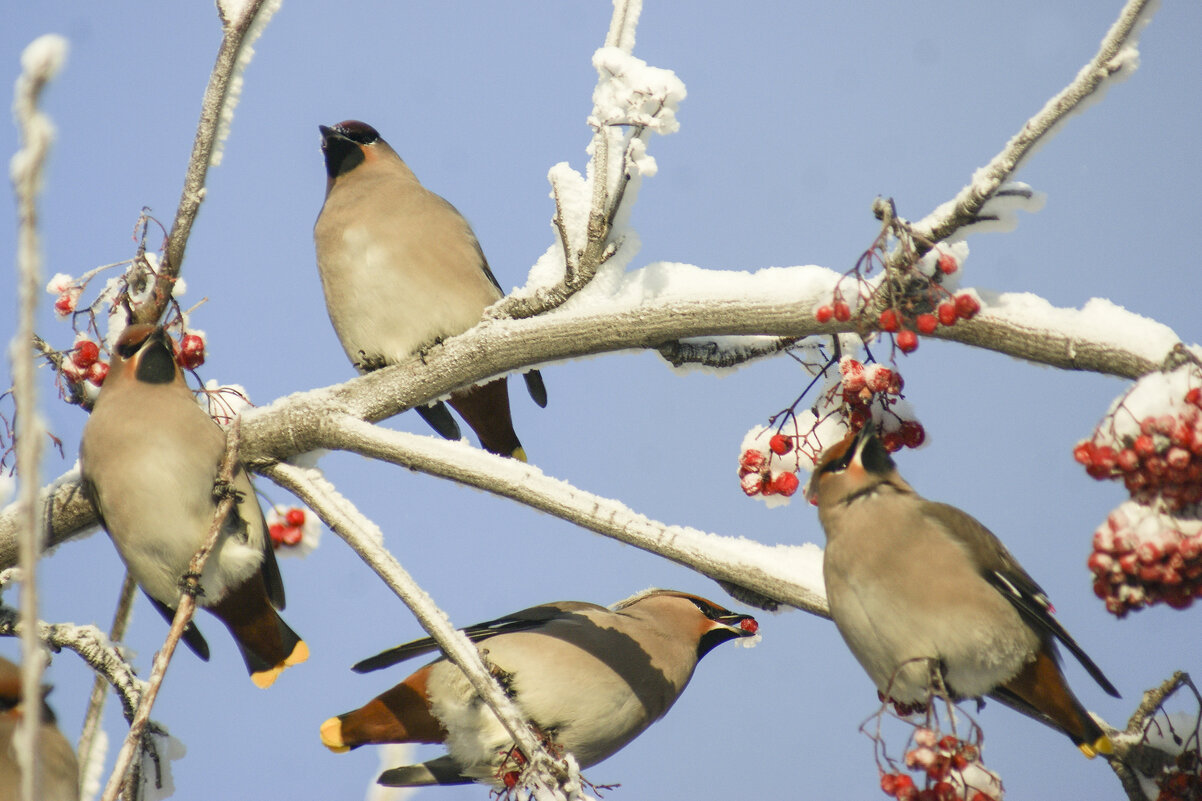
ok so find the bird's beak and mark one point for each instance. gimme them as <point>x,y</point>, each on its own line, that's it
<point>740,625</point>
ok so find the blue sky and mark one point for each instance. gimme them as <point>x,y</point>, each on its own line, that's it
<point>797,116</point>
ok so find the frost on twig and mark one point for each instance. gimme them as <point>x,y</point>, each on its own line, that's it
<point>630,101</point>
<point>241,24</point>
<point>366,539</point>
<point>40,62</point>
<point>786,574</point>
<point>93,647</point>
<point>1117,58</point>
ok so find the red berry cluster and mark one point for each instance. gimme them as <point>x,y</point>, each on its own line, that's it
<point>939,763</point>
<point>291,531</point>
<point>906,330</point>
<point>83,364</point>
<point>1182,781</point>
<point>863,382</point>
<point>756,477</point>
<point>1164,461</point>
<point>1142,557</point>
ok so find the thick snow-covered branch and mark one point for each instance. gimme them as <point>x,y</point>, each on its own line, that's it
<point>366,539</point>
<point>1117,57</point>
<point>788,574</point>
<point>240,30</point>
<point>645,309</point>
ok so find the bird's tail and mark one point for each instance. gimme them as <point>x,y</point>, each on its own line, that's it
<point>267,643</point>
<point>442,770</point>
<point>1040,692</point>
<point>486,410</point>
<point>400,715</point>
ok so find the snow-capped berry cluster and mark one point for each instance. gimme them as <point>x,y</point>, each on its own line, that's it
<point>293,529</point>
<point>756,475</point>
<point>864,383</point>
<point>1182,781</point>
<point>1143,556</point>
<point>83,363</point>
<point>1148,550</point>
<point>948,768</point>
<point>1159,460</point>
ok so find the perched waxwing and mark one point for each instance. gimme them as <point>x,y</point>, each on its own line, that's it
<point>916,586</point>
<point>56,759</point>
<point>149,459</point>
<point>402,270</point>
<point>590,678</point>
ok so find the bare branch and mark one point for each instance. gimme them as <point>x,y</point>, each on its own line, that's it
<point>1114,59</point>
<point>366,539</point>
<point>219,98</point>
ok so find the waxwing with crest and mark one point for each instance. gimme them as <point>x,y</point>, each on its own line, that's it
<point>920,590</point>
<point>402,270</point>
<point>590,678</point>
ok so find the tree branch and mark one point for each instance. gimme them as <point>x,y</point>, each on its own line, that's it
<point>788,574</point>
<point>366,539</point>
<point>778,302</point>
<point>1116,57</point>
<point>221,95</point>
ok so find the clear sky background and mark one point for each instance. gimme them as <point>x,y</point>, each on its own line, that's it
<point>797,116</point>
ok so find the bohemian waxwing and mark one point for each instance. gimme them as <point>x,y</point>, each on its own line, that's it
<point>402,270</point>
<point>590,678</point>
<point>149,459</point>
<point>59,770</point>
<point>914,584</point>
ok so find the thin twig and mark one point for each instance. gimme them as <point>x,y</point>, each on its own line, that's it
<point>1106,63</point>
<point>95,713</point>
<point>217,104</point>
<point>183,615</point>
<point>40,62</point>
<point>366,539</point>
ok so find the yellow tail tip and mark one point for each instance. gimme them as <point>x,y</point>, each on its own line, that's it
<point>265,678</point>
<point>299,654</point>
<point>331,736</point>
<point>519,453</point>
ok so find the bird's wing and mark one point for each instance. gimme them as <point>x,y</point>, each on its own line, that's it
<point>527,619</point>
<point>1007,576</point>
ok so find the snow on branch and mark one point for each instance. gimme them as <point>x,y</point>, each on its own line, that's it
<point>645,309</point>
<point>1117,58</point>
<point>786,574</point>
<point>366,539</point>
<point>241,23</point>
<point>630,101</point>
<point>93,647</point>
